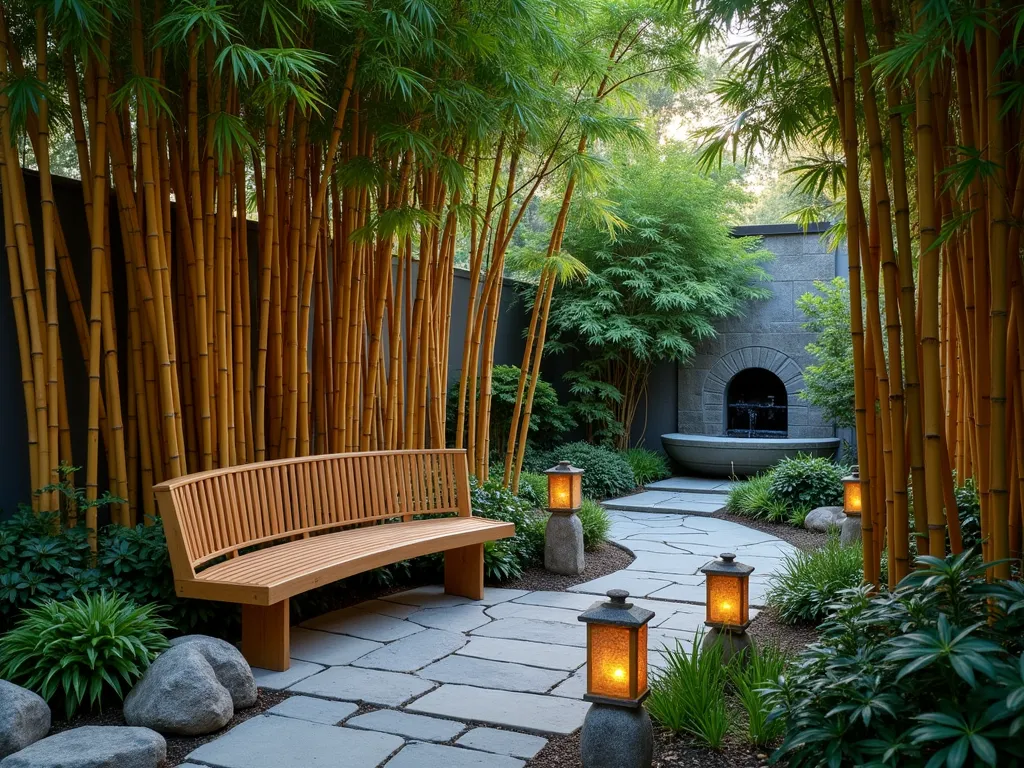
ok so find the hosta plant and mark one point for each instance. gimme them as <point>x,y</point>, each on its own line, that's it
<point>82,650</point>
<point>931,674</point>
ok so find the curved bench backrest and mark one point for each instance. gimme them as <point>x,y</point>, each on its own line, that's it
<point>211,514</point>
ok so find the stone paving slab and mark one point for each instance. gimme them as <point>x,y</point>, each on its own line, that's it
<point>547,656</point>
<point>278,681</point>
<point>453,618</point>
<point>412,653</point>
<point>328,648</point>
<point>503,742</point>
<point>553,632</point>
<point>637,584</point>
<point>369,685</point>
<point>410,726</point>
<point>680,563</point>
<point>538,612</point>
<point>357,622</point>
<point>486,673</point>
<point>314,710</point>
<point>525,711</point>
<point>574,687</point>
<point>668,501</point>
<point>692,485</point>
<point>434,596</point>
<point>282,742</point>
<point>430,755</point>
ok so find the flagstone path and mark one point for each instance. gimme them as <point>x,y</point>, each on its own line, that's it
<point>463,683</point>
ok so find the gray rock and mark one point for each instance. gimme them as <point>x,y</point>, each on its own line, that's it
<point>179,694</point>
<point>93,746</point>
<point>503,742</point>
<point>24,718</point>
<point>850,533</point>
<point>823,518</point>
<point>230,666</point>
<point>617,737</point>
<point>563,545</point>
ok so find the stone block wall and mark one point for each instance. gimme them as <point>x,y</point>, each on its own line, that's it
<point>769,335</point>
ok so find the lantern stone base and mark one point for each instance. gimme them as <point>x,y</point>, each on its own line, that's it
<point>563,544</point>
<point>617,737</point>
<point>732,642</point>
<point>850,533</point>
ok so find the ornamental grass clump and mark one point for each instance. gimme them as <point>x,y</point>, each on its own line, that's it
<point>809,582</point>
<point>648,466</point>
<point>688,695</point>
<point>84,650</point>
<point>595,524</point>
<point>760,667</point>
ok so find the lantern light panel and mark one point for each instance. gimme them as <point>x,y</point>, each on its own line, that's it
<point>565,487</point>
<point>728,593</point>
<point>852,493</point>
<point>616,651</point>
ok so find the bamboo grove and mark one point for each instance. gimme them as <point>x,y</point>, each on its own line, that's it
<point>293,185</point>
<point>913,111</point>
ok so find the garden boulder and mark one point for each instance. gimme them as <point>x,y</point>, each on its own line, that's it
<point>824,518</point>
<point>180,694</point>
<point>24,718</point>
<point>93,746</point>
<point>232,670</point>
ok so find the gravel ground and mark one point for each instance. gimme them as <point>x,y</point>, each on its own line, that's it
<point>177,746</point>
<point>607,558</point>
<point>800,538</point>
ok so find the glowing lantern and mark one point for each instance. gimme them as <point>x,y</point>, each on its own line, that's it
<point>851,492</point>
<point>616,651</point>
<point>728,594</point>
<point>565,487</point>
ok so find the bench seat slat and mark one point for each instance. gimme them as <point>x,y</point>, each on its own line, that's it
<point>284,570</point>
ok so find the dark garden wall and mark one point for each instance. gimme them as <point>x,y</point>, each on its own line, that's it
<point>14,471</point>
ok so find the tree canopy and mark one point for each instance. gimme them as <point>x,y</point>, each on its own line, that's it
<point>655,285</point>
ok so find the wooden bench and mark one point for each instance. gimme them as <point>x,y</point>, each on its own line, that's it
<point>281,528</point>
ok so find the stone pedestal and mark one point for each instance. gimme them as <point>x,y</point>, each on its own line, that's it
<point>732,642</point>
<point>616,737</point>
<point>850,532</point>
<point>563,544</point>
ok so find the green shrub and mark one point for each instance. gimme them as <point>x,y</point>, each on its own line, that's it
<point>810,582</point>
<point>762,666</point>
<point>533,486</point>
<point>82,650</point>
<point>41,560</point>
<point>607,474</point>
<point>648,466</point>
<point>797,517</point>
<point>595,524</point>
<point>931,674</point>
<point>506,559</point>
<point>688,695</point>
<point>549,419</point>
<point>807,481</point>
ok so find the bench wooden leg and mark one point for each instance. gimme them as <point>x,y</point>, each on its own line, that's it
<point>265,636</point>
<point>464,571</point>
